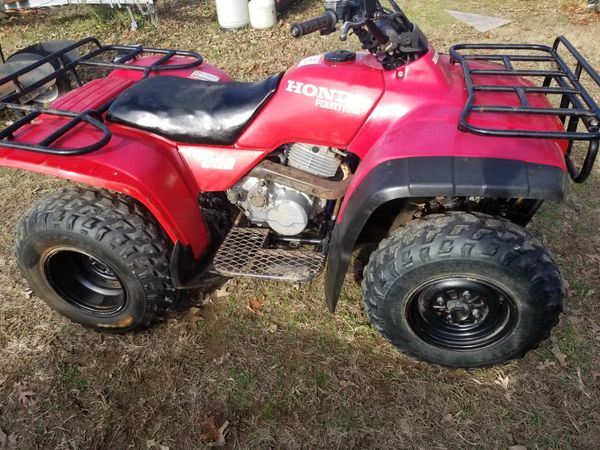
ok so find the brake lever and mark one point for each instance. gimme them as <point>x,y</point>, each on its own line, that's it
<point>350,26</point>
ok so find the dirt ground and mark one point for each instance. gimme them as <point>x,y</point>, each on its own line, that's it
<point>286,373</point>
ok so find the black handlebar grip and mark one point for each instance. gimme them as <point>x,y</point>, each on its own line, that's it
<point>324,22</point>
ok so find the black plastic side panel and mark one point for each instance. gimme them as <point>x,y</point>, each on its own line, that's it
<point>431,177</point>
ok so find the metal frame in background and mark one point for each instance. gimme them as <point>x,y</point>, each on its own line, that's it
<point>126,53</point>
<point>576,106</point>
<point>145,7</point>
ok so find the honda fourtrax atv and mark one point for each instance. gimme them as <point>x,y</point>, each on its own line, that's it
<point>440,160</point>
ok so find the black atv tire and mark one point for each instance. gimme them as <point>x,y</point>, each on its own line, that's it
<point>98,258</point>
<point>463,290</point>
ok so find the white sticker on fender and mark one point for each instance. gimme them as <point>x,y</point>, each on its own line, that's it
<point>218,163</point>
<point>200,75</point>
<point>310,60</point>
<point>332,99</point>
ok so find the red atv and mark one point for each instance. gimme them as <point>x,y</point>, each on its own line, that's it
<point>441,160</point>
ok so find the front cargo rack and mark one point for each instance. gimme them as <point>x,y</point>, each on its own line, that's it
<point>69,61</point>
<point>577,110</point>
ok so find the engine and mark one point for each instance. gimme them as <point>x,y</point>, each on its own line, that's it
<point>286,210</point>
<point>317,160</point>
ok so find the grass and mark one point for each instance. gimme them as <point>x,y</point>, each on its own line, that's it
<point>297,376</point>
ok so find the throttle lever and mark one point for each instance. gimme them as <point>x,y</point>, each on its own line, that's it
<point>350,26</point>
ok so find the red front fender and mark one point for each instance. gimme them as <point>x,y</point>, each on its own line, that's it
<point>150,171</point>
<point>418,117</point>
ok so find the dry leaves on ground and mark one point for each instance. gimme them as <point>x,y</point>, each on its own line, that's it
<point>578,13</point>
<point>504,380</point>
<point>272,328</point>
<point>447,418</point>
<point>255,305</point>
<point>347,384</point>
<point>559,355</point>
<point>594,326</point>
<point>151,444</point>
<point>194,315</point>
<point>25,394</point>
<point>7,441</point>
<point>215,436</point>
<point>580,383</point>
<point>545,364</point>
<point>221,359</point>
<point>222,292</point>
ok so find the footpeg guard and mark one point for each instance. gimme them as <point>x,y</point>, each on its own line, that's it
<point>244,253</point>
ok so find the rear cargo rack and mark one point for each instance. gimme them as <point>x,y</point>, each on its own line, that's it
<point>577,106</point>
<point>45,146</point>
<point>64,63</point>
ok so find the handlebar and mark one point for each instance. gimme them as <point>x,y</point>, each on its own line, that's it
<point>322,23</point>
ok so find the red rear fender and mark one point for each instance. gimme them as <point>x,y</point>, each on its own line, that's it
<point>203,72</point>
<point>144,166</point>
<point>149,170</point>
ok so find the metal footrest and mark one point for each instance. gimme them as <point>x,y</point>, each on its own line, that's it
<point>244,253</point>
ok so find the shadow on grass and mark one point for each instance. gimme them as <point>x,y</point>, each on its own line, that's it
<point>282,385</point>
<point>290,375</point>
<point>286,375</point>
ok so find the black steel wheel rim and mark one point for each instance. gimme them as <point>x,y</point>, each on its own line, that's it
<point>85,281</point>
<point>461,313</point>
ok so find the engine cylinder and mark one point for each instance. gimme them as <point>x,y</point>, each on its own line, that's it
<point>315,159</point>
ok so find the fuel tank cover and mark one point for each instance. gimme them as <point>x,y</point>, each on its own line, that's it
<point>340,56</point>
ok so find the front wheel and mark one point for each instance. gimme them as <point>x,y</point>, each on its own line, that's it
<point>463,290</point>
<point>98,258</point>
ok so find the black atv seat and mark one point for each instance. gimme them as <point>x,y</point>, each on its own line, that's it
<point>192,111</point>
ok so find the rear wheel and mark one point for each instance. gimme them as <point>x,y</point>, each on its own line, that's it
<point>98,258</point>
<point>463,290</point>
<point>35,52</point>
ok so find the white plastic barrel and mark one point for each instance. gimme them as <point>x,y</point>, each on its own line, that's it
<point>263,13</point>
<point>232,14</point>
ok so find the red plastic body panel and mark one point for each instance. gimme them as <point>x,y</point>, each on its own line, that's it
<point>205,68</point>
<point>148,170</point>
<point>93,94</point>
<point>420,110</point>
<point>216,169</point>
<point>418,116</point>
<point>300,109</point>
